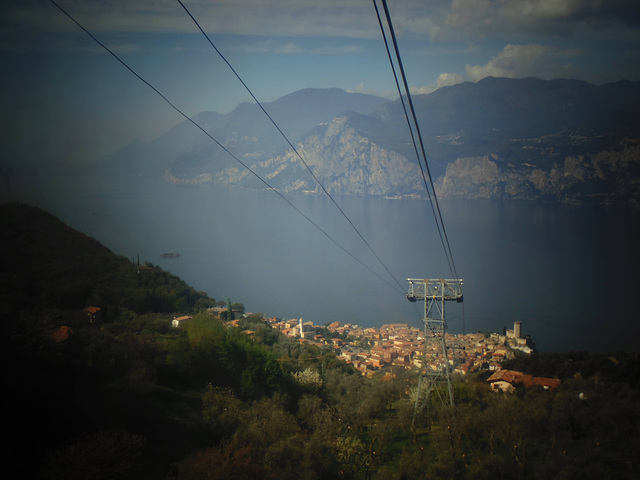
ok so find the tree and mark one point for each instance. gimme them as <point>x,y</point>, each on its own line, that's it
<point>352,455</point>
<point>229,310</point>
<point>221,410</point>
<point>101,455</point>
<point>237,307</point>
<point>308,378</point>
<point>227,462</point>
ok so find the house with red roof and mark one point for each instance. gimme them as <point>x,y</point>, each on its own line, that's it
<point>506,381</point>
<point>177,321</point>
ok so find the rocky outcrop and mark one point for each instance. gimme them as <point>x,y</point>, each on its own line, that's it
<point>340,159</point>
<point>345,162</point>
<point>606,177</point>
<point>477,177</point>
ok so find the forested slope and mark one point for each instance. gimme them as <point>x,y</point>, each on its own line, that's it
<point>48,265</point>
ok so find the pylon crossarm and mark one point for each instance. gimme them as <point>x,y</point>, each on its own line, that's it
<point>435,289</point>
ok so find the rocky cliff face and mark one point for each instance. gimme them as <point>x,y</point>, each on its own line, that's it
<point>344,162</point>
<point>605,177</point>
<point>341,159</point>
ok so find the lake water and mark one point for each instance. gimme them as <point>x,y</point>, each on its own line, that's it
<point>570,274</point>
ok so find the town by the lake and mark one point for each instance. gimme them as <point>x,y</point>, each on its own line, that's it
<point>370,349</point>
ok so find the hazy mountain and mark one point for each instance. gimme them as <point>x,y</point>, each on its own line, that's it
<point>153,158</point>
<point>186,152</point>
<point>521,108</point>
<point>561,140</point>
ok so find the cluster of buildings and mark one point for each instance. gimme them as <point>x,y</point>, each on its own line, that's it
<point>299,329</point>
<point>400,345</point>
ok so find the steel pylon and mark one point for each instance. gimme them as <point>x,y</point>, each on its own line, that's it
<point>434,292</point>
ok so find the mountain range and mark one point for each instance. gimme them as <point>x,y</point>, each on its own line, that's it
<point>524,139</point>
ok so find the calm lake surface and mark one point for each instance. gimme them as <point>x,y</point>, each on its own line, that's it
<point>570,274</point>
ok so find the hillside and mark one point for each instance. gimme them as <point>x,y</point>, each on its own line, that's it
<point>128,396</point>
<point>529,139</point>
<point>53,267</point>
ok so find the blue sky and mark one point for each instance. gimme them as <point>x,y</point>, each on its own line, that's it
<point>67,100</point>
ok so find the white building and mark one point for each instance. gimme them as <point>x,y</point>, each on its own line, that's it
<point>305,329</point>
<point>175,323</point>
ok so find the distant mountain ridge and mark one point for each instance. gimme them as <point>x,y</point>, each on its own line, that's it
<point>559,140</point>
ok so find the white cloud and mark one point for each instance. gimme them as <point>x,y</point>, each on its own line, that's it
<point>518,61</point>
<point>268,46</point>
<point>359,88</point>
<point>291,47</point>
<point>363,88</point>
<point>422,90</point>
<point>338,50</point>
<point>448,79</point>
<point>443,80</point>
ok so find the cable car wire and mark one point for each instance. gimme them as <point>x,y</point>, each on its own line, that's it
<point>435,204</point>
<point>406,114</point>
<point>434,200</point>
<point>197,125</point>
<point>439,224</point>
<point>289,143</point>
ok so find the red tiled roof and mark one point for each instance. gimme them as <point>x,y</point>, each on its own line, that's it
<point>547,383</point>
<point>513,377</point>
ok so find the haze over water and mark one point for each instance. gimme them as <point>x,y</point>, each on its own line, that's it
<point>568,273</point>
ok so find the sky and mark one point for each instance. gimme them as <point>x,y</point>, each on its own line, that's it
<point>67,100</point>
